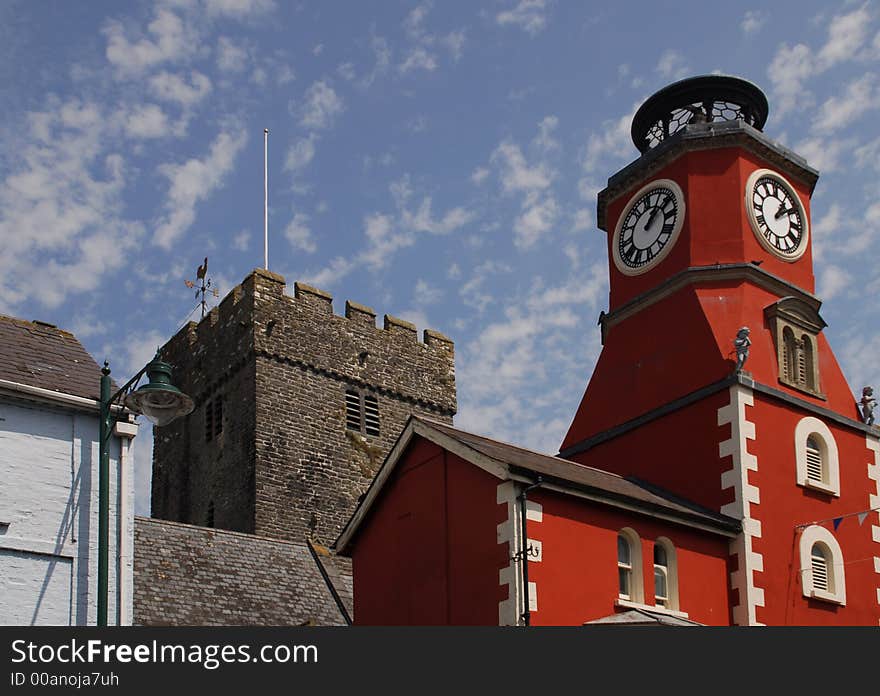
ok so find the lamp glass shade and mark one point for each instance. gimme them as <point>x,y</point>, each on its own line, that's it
<point>159,401</point>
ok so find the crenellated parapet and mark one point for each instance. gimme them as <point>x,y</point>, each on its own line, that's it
<point>279,443</point>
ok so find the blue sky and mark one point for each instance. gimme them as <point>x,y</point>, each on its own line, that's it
<point>435,160</point>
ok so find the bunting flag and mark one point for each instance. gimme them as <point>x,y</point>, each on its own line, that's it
<point>837,521</point>
<point>862,517</point>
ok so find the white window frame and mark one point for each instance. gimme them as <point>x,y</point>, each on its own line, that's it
<point>671,574</point>
<point>836,592</point>
<point>636,573</point>
<point>811,427</point>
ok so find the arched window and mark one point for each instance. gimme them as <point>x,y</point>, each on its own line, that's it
<point>665,574</point>
<point>822,568</point>
<point>808,372</point>
<point>629,566</point>
<point>816,456</point>
<point>789,355</point>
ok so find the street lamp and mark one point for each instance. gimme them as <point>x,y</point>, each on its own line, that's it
<point>160,402</point>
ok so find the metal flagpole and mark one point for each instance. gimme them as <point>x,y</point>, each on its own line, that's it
<point>266,198</point>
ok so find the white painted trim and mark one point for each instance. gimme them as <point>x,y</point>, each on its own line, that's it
<point>509,532</point>
<point>38,546</point>
<point>636,565</point>
<point>872,442</point>
<point>671,571</point>
<point>809,536</point>
<point>745,494</point>
<point>810,426</point>
<point>49,395</point>
<point>753,222</point>
<point>627,604</point>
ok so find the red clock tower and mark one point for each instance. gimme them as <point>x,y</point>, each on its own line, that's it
<point>716,380</point>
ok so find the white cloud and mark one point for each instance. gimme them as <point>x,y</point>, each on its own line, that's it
<point>752,21</point>
<point>793,66</point>
<point>238,9</point>
<point>171,41</point>
<point>386,234</point>
<point>320,106</point>
<point>318,49</point>
<point>609,144</point>
<point>192,182</point>
<point>509,371</point>
<point>528,15</point>
<point>583,220</point>
<point>516,174</point>
<point>147,121</point>
<point>173,88</point>
<point>299,235</point>
<point>846,36</point>
<point>418,59</point>
<point>346,71</point>
<point>473,292</point>
<point>479,175</point>
<point>545,141</point>
<point>300,154</point>
<point>789,69</point>
<point>60,204</point>
<point>824,154</point>
<point>455,43</point>
<point>425,294</point>
<point>860,97</point>
<point>231,58</point>
<point>832,281</point>
<point>242,241</point>
<point>414,24</point>
<point>671,65</point>
<point>537,218</point>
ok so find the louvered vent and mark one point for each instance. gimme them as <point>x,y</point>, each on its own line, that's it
<point>814,461</point>
<point>820,570</point>
<point>352,410</point>
<point>371,415</point>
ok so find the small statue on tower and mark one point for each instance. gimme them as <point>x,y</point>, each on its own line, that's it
<point>868,403</point>
<point>741,345</point>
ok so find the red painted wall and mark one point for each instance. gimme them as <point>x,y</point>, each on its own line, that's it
<point>577,579</point>
<point>678,452</point>
<point>427,553</point>
<point>784,505</point>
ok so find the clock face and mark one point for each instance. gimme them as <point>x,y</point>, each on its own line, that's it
<point>648,227</point>
<point>776,215</point>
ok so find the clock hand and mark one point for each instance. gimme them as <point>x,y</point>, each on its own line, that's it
<point>653,215</point>
<point>783,211</point>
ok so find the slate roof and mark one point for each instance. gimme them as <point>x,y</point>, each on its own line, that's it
<point>642,617</point>
<point>186,575</point>
<point>552,468</point>
<point>510,461</point>
<point>41,355</point>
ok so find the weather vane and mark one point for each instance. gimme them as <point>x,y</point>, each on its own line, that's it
<point>205,287</point>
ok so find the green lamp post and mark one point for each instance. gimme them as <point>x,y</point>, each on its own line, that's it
<point>160,402</point>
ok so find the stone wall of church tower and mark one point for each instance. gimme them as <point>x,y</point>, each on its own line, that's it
<point>283,462</point>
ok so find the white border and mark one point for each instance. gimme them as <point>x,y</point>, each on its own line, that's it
<point>802,431</point>
<point>810,536</point>
<point>753,223</point>
<point>737,477</point>
<point>673,238</point>
<point>873,444</point>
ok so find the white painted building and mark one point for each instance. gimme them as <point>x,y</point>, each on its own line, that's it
<point>49,483</point>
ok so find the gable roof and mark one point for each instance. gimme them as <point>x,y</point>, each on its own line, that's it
<point>642,617</point>
<point>41,355</point>
<point>509,462</point>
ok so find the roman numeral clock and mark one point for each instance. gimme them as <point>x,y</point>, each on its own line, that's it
<point>648,227</point>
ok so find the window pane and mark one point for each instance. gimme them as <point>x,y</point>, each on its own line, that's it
<point>660,591</point>
<point>623,555</point>
<point>660,555</point>
<point>623,576</point>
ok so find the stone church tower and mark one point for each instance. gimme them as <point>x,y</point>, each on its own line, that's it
<point>296,408</point>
